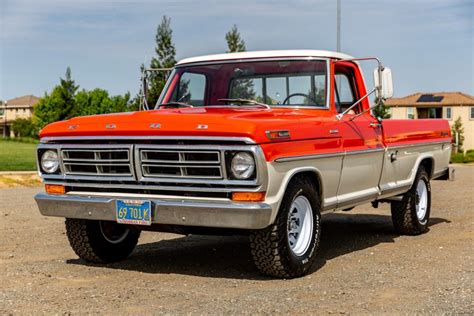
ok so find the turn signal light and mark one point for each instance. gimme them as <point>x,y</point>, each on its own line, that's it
<point>55,189</point>
<point>248,196</point>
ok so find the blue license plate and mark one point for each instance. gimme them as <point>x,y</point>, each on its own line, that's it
<point>137,212</point>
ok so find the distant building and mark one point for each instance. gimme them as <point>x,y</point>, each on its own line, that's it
<point>446,105</point>
<point>21,107</point>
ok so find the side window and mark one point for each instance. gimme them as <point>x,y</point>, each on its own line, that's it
<point>191,89</point>
<point>344,89</point>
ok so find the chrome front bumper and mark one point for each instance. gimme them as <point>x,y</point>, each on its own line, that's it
<point>221,214</point>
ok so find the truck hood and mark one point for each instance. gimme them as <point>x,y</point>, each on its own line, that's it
<point>224,122</point>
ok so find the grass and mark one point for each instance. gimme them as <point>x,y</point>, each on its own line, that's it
<point>25,180</point>
<point>463,158</point>
<point>17,156</point>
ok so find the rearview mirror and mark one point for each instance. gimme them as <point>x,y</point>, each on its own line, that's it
<point>384,84</point>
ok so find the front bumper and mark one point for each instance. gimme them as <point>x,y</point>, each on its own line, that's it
<point>220,214</point>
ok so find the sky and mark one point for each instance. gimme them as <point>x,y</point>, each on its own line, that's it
<point>428,44</point>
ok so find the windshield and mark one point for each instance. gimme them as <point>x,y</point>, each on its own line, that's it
<point>276,83</point>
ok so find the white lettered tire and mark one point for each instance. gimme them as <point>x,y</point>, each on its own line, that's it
<point>287,249</point>
<point>411,215</point>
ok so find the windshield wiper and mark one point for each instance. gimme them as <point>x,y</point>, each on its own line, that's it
<point>175,104</point>
<point>245,101</point>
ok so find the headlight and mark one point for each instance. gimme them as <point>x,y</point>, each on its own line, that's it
<point>50,161</point>
<point>242,165</point>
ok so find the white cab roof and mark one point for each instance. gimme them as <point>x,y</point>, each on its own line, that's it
<point>265,54</point>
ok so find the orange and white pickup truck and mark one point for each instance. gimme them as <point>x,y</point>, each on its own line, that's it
<point>257,143</point>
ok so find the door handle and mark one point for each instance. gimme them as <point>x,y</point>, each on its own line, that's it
<point>375,125</point>
<point>393,156</point>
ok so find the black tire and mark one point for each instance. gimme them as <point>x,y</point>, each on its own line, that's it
<point>101,241</point>
<point>404,213</point>
<point>270,247</point>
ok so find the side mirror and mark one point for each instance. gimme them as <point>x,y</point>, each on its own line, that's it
<point>384,84</point>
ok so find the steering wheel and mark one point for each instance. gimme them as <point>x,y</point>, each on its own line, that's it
<point>299,95</point>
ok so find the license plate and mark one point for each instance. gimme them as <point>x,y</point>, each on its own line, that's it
<point>135,212</point>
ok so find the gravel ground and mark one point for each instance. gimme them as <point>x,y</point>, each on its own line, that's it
<point>363,267</point>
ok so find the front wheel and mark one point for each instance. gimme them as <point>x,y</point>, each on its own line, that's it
<point>287,249</point>
<point>410,216</point>
<point>101,241</point>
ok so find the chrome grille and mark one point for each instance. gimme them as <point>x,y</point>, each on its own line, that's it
<point>100,161</point>
<point>146,166</point>
<point>180,163</point>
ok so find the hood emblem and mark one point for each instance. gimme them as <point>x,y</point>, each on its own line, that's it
<point>202,126</point>
<point>110,126</point>
<point>155,125</point>
<point>72,127</point>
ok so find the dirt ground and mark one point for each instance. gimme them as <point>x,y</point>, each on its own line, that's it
<point>363,267</point>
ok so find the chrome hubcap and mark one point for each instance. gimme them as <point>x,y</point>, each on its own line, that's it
<point>113,232</point>
<point>300,225</point>
<point>421,201</point>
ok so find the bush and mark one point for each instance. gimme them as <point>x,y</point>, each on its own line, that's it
<point>469,157</point>
<point>463,158</point>
<point>23,127</point>
<point>457,158</point>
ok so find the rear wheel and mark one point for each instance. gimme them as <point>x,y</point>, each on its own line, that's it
<point>287,249</point>
<point>101,241</point>
<point>410,216</point>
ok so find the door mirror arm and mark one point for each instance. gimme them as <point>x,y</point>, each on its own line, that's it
<point>341,115</point>
<point>383,87</point>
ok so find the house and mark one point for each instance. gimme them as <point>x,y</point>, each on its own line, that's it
<point>21,107</point>
<point>446,105</point>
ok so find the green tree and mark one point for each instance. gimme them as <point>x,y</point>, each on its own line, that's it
<point>458,129</point>
<point>67,92</point>
<point>234,42</point>
<point>165,58</point>
<point>23,127</point>
<point>98,101</point>
<point>381,110</point>
<point>58,105</point>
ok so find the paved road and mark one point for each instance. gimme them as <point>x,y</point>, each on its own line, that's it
<point>363,266</point>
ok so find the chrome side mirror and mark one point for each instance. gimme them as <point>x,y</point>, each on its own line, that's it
<point>383,83</point>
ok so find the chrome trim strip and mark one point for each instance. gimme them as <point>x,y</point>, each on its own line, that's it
<point>419,144</point>
<point>311,156</point>
<point>364,151</point>
<point>246,140</point>
<point>331,155</point>
<point>235,186</point>
<point>225,214</point>
<point>355,152</point>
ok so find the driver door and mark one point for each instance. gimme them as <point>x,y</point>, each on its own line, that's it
<point>362,144</point>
